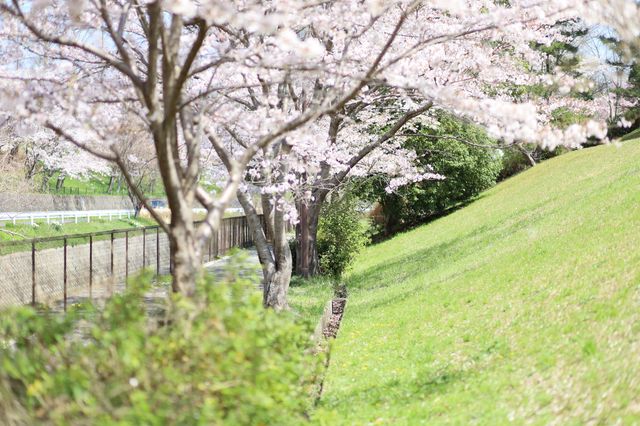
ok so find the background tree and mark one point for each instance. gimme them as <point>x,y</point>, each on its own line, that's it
<point>80,68</point>
<point>468,159</point>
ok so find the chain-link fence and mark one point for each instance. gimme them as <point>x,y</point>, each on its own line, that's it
<point>65,269</point>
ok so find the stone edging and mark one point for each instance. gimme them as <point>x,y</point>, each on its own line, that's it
<point>330,317</point>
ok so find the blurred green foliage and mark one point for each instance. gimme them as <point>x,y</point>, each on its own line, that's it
<point>216,358</point>
<point>341,234</point>
<point>462,152</point>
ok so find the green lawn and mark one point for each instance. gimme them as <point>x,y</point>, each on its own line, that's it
<point>523,307</point>
<point>308,298</point>
<point>97,184</point>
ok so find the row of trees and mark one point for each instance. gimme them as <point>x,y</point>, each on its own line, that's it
<point>292,98</point>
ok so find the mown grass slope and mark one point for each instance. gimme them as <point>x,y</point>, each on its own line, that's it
<point>522,307</point>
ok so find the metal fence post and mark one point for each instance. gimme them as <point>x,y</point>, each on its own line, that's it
<point>91,267</point>
<point>144,247</point>
<point>112,253</point>
<point>65,275</point>
<point>158,250</point>
<point>126,257</point>
<point>33,273</point>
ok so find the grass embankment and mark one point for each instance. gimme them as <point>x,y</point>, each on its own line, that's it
<point>308,298</point>
<point>98,184</point>
<point>523,306</point>
<point>631,135</point>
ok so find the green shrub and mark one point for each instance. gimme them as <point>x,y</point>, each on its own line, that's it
<point>455,148</point>
<point>342,233</point>
<point>217,358</point>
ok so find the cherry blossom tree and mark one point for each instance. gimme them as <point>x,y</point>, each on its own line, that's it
<point>448,64</point>
<point>81,68</point>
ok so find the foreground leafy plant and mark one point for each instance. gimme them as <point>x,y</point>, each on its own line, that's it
<point>216,358</point>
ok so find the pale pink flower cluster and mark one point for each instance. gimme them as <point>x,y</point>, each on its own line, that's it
<point>263,64</point>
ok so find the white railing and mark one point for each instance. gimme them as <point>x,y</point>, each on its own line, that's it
<point>64,216</point>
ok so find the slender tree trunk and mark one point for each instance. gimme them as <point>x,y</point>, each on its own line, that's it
<point>60,182</point>
<point>46,176</point>
<point>277,284</point>
<point>303,240</point>
<point>14,152</point>
<point>112,180</point>
<point>276,259</point>
<point>31,165</point>
<point>528,156</point>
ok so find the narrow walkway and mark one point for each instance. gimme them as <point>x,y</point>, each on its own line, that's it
<point>243,264</point>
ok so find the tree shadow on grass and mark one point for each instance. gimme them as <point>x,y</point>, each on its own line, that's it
<point>400,269</point>
<point>399,392</point>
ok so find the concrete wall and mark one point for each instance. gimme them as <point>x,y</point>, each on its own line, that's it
<point>46,202</point>
<point>16,269</point>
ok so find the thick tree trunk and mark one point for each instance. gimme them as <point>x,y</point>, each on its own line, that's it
<point>307,260</point>
<point>185,259</point>
<point>276,287</point>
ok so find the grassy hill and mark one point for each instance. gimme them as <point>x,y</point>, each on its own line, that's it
<point>631,135</point>
<point>523,307</point>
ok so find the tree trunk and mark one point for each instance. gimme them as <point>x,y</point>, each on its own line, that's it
<point>307,247</point>
<point>276,263</point>
<point>185,258</point>
<point>112,180</point>
<point>276,287</point>
<point>303,241</point>
<point>14,152</point>
<point>528,156</point>
<point>46,176</point>
<point>31,164</point>
<point>60,181</point>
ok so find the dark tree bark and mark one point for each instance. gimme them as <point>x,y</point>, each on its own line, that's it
<point>60,181</point>
<point>309,238</point>
<point>46,176</point>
